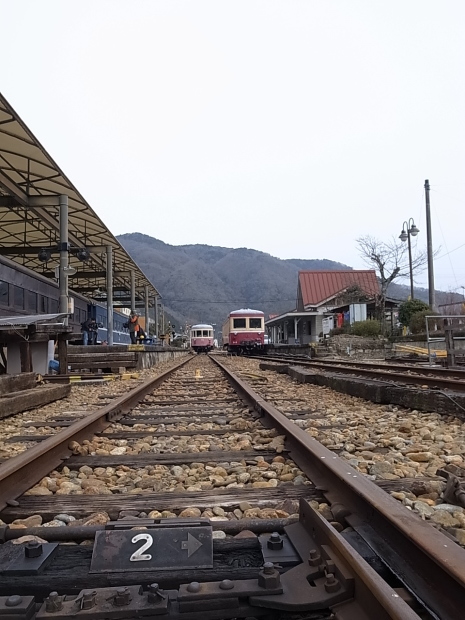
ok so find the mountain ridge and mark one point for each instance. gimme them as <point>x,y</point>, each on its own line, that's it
<point>201,283</point>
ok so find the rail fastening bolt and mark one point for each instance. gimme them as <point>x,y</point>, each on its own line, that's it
<point>122,597</point>
<point>226,584</point>
<point>88,599</point>
<point>155,594</point>
<point>268,568</point>
<point>314,557</point>
<point>275,542</point>
<point>194,587</point>
<point>14,600</point>
<point>269,578</point>
<point>331,583</point>
<point>53,603</point>
<point>33,549</point>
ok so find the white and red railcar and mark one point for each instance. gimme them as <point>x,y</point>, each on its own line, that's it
<point>244,331</point>
<point>202,336</point>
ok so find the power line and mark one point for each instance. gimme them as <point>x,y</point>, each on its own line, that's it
<point>454,250</point>
<point>228,301</point>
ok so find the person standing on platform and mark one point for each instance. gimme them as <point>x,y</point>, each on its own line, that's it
<point>92,329</point>
<point>133,326</point>
<point>89,331</point>
<point>85,332</point>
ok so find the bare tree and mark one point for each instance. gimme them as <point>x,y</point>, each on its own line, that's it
<point>453,303</point>
<point>390,259</point>
<point>353,294</point>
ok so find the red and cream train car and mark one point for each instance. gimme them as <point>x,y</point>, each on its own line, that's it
<point>202,336</point>
<point>244,331</point>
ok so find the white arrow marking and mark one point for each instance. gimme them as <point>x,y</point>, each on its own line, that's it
<point>191,544</point>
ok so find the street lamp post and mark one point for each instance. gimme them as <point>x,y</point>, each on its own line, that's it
<point>409,228</point>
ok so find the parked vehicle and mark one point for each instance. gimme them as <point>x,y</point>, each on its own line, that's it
<point>244,331</point>
<point>25,292</point>
<point>202,338</point>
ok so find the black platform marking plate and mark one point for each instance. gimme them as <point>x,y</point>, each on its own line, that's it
<point>117,551</point>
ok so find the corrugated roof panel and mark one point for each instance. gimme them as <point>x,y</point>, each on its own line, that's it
<point>320,286</point>
<point>26,167</point>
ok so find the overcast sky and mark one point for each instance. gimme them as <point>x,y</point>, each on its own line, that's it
<point>291,127</point>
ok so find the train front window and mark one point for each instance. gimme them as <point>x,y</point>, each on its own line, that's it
<point>238,323</point>
<point>4,297</point>
<point>255,323</point>
<point>198,333</point>
<point>205,333</point>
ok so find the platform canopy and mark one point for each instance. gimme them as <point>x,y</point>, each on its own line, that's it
<point>30,184</point>
<point>23,321</point>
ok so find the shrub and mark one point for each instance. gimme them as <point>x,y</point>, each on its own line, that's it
<point>338,330</point>
<point>369,328</point>
<point>417,321</point>
<point>408,308</point>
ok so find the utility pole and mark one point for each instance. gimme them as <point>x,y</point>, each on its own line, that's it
<point>429,246</point>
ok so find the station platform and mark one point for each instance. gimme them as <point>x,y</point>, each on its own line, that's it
<point>118,358</point>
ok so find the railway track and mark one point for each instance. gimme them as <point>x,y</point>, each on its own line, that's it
<point>436,378</point>
<point>111,477</point>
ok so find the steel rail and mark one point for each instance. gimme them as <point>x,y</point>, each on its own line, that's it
<point>430,565</point>
<point>21,472</point>
<point>372,599</point>
<point>439,370</point>
<point>384,375</point>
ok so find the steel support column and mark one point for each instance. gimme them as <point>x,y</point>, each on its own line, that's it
<point>109,255</point>
<point>63,281</point>
<point>162,322</point>
<point>147,319</point>
<point>133,290</point>
<point>156,316</point>
<point>64,257</point>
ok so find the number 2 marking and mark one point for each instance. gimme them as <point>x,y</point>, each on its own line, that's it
<point>138,556</point>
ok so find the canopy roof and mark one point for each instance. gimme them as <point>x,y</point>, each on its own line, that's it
<point>19,321</point>
<point>27,172</point>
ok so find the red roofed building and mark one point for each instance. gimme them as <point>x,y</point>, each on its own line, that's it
<point>319,294</point>
<point>322,288</point>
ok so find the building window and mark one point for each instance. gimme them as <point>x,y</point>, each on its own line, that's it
<point>255,323</point>
<point>43,305</point>
<point>31,301</point>
<point>18,297</point>
<point>4,296</point>
<point>53,306</point>
<point>101,318</point>
<point>238,323</point>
